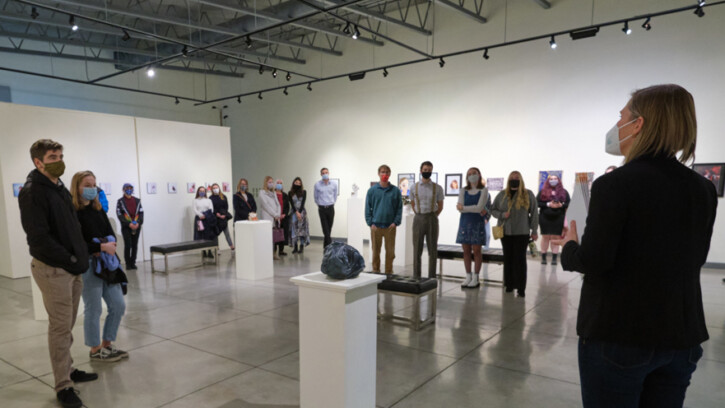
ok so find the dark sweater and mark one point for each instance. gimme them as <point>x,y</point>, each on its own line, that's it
<point>94,224</point>
<point>243,208</point>
<point>641,264</point>
<point>221,206</point>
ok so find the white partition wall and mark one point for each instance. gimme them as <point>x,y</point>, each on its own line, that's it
<point>107,145</point>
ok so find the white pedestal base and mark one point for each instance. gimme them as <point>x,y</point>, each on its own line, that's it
<point>356,227</point>
<point>253,249</point>
<point>338,340</point>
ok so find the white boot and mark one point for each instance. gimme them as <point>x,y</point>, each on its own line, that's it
<point>474,282</point>
<point>467,281</point>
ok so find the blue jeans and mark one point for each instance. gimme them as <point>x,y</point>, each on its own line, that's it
<point>95,289</point>
<point>615,375</point>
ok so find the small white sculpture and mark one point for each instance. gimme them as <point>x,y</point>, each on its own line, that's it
<point>355,189</point>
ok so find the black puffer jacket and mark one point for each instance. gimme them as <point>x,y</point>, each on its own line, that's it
<point>51,224</point>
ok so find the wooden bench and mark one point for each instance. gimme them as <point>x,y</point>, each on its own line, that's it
<point>187,246</point>
<point>452,252</point>
<point>415,288</point>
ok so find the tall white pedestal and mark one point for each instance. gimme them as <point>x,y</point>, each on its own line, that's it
<point>356,227</point>
<point>338,340</point>
<point>253,249</point>
<point>404,242</point>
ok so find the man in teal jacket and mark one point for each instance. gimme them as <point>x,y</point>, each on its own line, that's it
<point>383,213</point>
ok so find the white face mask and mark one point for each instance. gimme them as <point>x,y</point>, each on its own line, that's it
<point>473,179</point>
<point>216,191</point>
<point>553,182</point>
<point>612,144</point>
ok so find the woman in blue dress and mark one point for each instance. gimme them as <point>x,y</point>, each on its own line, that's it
<point>473,204</point>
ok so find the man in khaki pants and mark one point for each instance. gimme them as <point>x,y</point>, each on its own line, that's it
<point>383,213</point>
<point>60,256</point>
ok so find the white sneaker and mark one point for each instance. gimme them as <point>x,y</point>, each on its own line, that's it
<point>474,282</point>
<point>467,281</point>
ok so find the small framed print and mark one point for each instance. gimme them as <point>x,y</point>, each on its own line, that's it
<point>191,188</point>
<point>453,184</point>
<point>16,189</point>
<point>225,187</point>
<point>151,188</point>
<point>405,180</point>
<point>433,177</point>
<point>714,172</point>
<point>171,188</point>
<point>106,187</point>
<point>494,183</point>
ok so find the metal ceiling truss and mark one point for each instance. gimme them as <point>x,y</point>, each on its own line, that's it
<point>459,6</point>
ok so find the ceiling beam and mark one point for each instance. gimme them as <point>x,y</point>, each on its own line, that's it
<point>466,12</point>
<point>543,3</point>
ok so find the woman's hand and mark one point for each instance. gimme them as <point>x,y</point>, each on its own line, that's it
<point>219,216</point>
<point>535,236</point>
<point>108,247</point>
<point>459,207</point>
<point>506,215</point>
<point>299,216</point>
<point>201,217</point>
<point>484,212</point>
<point>571,235</point>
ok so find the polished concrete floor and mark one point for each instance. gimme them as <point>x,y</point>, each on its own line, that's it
<point>200,338</point>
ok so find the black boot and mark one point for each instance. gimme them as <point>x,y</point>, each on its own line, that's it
<point>543,258</point>
<point>553,259</point>
<point>302,248</point>
<point>294,251</point>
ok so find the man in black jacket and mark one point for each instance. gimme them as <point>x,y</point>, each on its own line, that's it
<point>60,256</point>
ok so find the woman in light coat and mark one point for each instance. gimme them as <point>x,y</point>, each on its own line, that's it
<point>268,205</point>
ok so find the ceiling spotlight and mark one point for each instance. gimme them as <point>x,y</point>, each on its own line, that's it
<point>442,63</point>
<point>309,86</point>
<point>176,102</point>
<point>385,72</point>
<point>346,30</point>
<point>260,96</point>
<point>274,73</point>
<point>126,35</point>
<point>288,76</point>
<point>150,72</point>
<point>699,11</point>
<point>626,28</point>
<point>248,40</point>
<point>239,99</point>
<point>34,13</point>
<point>261,69</point>
<point>646,25</point>
<point>285,91</point>
<point>72,22</point>
<point>485,54</point>
<point>356,33</point>
<point>552,43</point>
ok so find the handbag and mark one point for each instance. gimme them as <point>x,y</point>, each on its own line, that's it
<point>277,234</point>
<point>199,225</point>
<point>497,231</point>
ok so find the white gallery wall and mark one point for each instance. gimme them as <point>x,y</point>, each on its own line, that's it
<point>527,108</point>
<point>118,149</point>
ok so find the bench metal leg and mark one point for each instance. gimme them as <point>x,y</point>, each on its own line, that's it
<point>216,255</point>
<point>152,263</point>
<point>166,263</point>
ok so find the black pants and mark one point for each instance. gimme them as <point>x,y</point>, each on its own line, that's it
<point>514,261</point>
<point>327,216</point>
<point>130,245</point>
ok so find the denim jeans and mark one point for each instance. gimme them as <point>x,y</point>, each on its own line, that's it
<point>616,375</point>
<point>95,289</point>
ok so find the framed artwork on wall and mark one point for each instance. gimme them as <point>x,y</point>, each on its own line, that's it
<point>171,187</point>
<point>191,188</point>
<point>544,174</point>
<point>151,188</point>
<point>714,172</point>
<point>433,177</point>
<point>405,180</point>
<point>225,187</point>
<point>494,184</point>
<point>106,187</point>
<point>336,182</point>
<point>453,184</point>
<point>16,189</point>
<point>372,183</point>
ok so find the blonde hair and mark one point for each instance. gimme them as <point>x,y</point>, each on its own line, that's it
<point>522,195</point>
<point>264,185</point>
<point>669,126</point>
<point>221,193</point>
<point>75,184</point>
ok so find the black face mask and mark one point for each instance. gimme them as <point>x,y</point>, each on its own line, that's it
<point>514,183</point>
<point>426,174</point>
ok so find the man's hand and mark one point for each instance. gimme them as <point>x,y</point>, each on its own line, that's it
<point>109,247</point>
<point>571,235</point>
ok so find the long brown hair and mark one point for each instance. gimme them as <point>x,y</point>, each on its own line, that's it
<point>298,192</point>
<point>521,196</point>
<point>480,179</point>
<point>199,189</point>
<point>75,185</point>
<point>670,123</point>
<point>239,184</point>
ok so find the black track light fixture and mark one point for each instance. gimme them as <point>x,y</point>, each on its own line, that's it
<point>126,35</point>
<point>72,23</point>
<point>274,73</point>
<point>176,102</point>
<point>346,30</point>
<point>239,99</point>
<point>485,54</point>
<point>442,63</point>
<point>646,25</point>
<point>285,91</point>
<point>699,11</point>
<point>34,13</point>
<point>552,43</point>
<point>288,76</point>
<point>626,28</point>
<point>356,33</point>
<point>309,86</point>
<point>261,69</point>
<point>385,72</point>
<point>260,96</point>
<point>248,41</point>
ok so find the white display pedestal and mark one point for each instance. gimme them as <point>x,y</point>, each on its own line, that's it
<point>356,227</point>
<point>338,340</point>
<point>253,249</point>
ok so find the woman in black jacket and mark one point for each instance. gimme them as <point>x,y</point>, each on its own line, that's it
<point>243,202</point>
<point>641,318</point>
<point>221,210</point>
<point>299,225</point>
<point>553,201</point>
<point>104,278</point>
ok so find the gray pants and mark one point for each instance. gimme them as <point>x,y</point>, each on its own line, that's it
<point>425,226</point>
